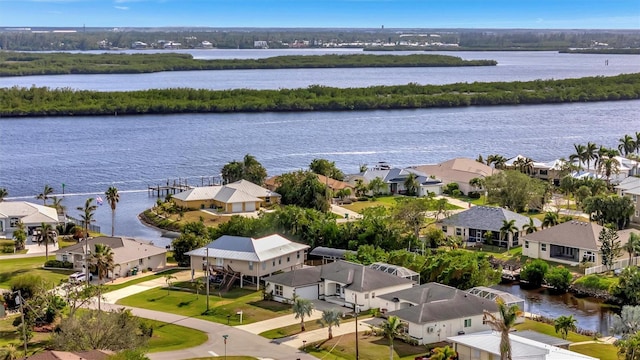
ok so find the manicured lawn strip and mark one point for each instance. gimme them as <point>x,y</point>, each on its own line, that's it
<point>137,280</point>
<point>600,351</point>
<point>168,337</point>
<point>373,347</point>
<point>10,268</point>
<point>386,201</point>
<point>549,330</point>
<point>189,304</point>
<point>598,281</point>
<point>295,328</point>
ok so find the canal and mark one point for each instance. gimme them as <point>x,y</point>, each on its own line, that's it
<point>591,313</point>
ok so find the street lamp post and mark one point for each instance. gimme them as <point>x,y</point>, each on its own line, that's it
<point>225,337</point>
<point>355,309</point>
<point>304,345</point>
<point>206,272</point>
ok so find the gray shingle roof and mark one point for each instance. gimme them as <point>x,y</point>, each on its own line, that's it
<point>487,218</point>
<point>356,277</point>
<point>421,294</point>
<point>454,305</point>
<point>328,252</point>
<point>576,234</point>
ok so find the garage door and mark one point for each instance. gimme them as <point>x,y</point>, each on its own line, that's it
<point>236,207</point>
<point>308,292</point>
<point>250,206</point>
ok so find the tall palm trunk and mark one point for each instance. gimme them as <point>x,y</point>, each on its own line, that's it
<point>113,220</point>
<point>505,346</point>
<point>391,351</point>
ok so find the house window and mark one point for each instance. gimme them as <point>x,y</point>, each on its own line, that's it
<point>637,213</point>
<point>373,295</point>
<point>277,290</point>
<point>589,256</point>
<point>65,258</point>
<point>13,222</point>
<point>444,229</point>
<point>543,247</point>
<point>267,200</point>
<point>250,265</point>
<point>467,322</point>
<point>458,231</point>
<point>526,244</point>
<point>279,261</point>
<point>298,255</point>
<point>140,262</point>
<point>635,198</point>
<point>366,296</point>
<point>288,258</point>
<point>264,266</point>
<point>338,288</point>
<point>274,262</point>
<point>543,172</point>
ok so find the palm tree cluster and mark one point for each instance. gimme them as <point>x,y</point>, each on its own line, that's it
<point>496,160</point>
<point>604,161</point>
<point>503,324</point>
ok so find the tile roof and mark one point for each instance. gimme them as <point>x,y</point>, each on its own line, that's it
<point>252,189</point>
<point>458,169</point>
<point>487,218</point>
<point>357,277</point>
<point>437,303</point>
<point>576,234</point>
<point>249,249</point>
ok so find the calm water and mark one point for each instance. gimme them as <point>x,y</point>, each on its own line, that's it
<point>512,66</point>
<point>589,312</point>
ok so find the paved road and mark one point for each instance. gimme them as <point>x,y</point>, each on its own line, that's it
<point>239,342</point>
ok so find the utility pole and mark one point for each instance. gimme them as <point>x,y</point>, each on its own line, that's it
<point>355,308</point>
<point>20,301</point>
<point>206,272</point>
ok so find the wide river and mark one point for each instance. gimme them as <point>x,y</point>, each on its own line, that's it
<point>89,154</point>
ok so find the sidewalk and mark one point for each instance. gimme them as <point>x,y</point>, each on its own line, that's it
<point>297,341</point>
<point>281,321</point>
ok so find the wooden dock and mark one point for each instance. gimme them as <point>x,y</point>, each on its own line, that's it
<point>171,187</point>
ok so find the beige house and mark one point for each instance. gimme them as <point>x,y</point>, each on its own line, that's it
<point>247,258</point>
<point>630,187</point>
<point>569,243</point>
<point>459,171</point>
<point>340,282</point>
<point>31,215</point>
<point>432,312</point>
<point>236,197</point>
<point>128,254</point>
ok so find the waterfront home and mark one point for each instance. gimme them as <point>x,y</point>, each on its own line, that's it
<point>486,345</point>
<point>394,179</point>
<point>569,243</point>
<point>630,187</point>
<point>129,255</point>
<point>459,171</point>
<point>31,215</point>
<point>333,184</point>
<point>340,282</point>
<point>474,223</point>
<point>236,197</point>
<point>432,312</point>
<point>247,259</point>
<point>551,171</point>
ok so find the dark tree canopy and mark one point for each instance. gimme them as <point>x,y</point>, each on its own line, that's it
<point>249,169</point>
<point>302,188</point>
<point>326,168</point>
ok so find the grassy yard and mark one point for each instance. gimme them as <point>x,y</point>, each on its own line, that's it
<point>600,351</point>
<point>10,268</point>
<point>549,330</point>
<point>373,347</point>
<point>169,337</point>
<point>309,325</point>
<point>9,334</point>
<point>137,280</point>
<point>226,358</point>
<point>189,304</point>
<point>386,201</point>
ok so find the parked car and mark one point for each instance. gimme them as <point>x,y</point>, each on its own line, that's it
<point>79,277</point>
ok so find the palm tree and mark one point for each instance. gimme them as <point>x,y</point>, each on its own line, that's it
<point>564,324</point>
<point>377,186</point>
<point>112,198</point>
<point>580,154</point>
<point>411,185</point>
<point>20,235</point>
<point>11,353</point>
<point>391,329</point>
<point>590,153</point>
<point>169,280</point>
<point>46,235</point>
<point>530,227</point>
<point>57,204</point>
<point>87,215</point>
<point>508,228</point>
<point>627,145</point>
<point>302,307</point>
<point>330,318</point>
<point>503,325</point>
<point>198,285</point>
<point>637,142</point>
<point>550,219</point>
<point>632,246</point>
<point>44,195</point>
<point>609,166</point>
<point>480,159</point>
<point>102,259</point>
<point>477,183</point>
<point>3,194</point>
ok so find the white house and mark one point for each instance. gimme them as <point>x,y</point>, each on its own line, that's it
<point>434,311</point>
<point>31,215</point>
<point>340,282</point>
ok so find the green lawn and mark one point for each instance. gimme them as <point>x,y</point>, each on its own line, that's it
<point>137,280</point>
<point>9,334</point>
<point>226,358</point>
<point>189,304</point>
<point>370,347</point>
<point>168,337</point>
<point>358,206</point>
<point>308,325</point>
<point>10,268</point>
<point>549,330</point>
<point>600,351</point>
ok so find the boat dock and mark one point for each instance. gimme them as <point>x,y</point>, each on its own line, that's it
<point>171,188</point>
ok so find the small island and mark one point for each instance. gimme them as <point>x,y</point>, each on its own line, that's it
<point>26,64</point>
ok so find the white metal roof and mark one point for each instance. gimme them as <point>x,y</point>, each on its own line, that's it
<point>492,294</point>
<point>28,213</point>
<point>229,195</point>
<point>249,249</point>
<point>198,193</point>
<point>251,188</point>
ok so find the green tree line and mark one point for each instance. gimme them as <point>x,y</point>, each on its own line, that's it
<point>42,101</point>
<point>23,64</point>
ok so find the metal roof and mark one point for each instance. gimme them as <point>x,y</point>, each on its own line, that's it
<point>28,213</point>
<point>248,249</point>
<point>328,252</point>
<point>398,271</point>
<point>492,294</point>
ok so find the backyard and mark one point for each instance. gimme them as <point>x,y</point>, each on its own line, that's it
<point>11,268</point>
<point>369,347</point>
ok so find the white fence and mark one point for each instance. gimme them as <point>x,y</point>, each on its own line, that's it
<point>620,264</point>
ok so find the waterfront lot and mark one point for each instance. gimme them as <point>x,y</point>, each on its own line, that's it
<point>369,347</point>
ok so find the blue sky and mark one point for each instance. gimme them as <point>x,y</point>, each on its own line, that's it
<point>532,14</point>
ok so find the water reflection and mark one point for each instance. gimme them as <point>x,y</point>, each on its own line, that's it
<point>591,313</point>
